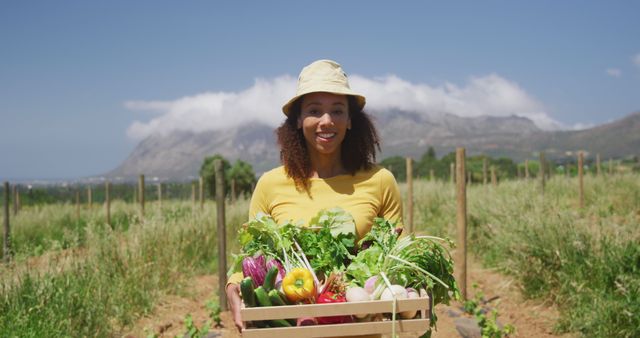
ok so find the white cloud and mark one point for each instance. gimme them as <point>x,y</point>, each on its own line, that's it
<point>582,126</point>
<point>614,72</point>
<point>636,60</point>
<point>215,110</point>
<point>487,95</point>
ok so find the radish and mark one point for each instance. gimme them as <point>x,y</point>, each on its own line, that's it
<point>411,294</point>
<point>358,294</point>
<point>396,290</point>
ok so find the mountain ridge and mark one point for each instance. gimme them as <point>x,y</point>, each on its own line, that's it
<point>179,154</point>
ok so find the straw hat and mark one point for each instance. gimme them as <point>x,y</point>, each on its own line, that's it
<point>323,76</point>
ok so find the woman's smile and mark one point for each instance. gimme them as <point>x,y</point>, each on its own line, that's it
<point>324,121</point>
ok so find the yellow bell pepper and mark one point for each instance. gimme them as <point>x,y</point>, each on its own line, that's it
<point>298,285</point>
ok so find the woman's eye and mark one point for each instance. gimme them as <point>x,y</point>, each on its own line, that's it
<point>313,112</point>
<point>338,112</point>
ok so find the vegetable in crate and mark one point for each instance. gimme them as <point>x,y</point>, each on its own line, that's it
<point>333,292</point>
<point>411,261</point>
<point>329,241</point>
<point>298,285</point>
<point>248,293</point>
<point>328,297</point>
<point>255,267</point>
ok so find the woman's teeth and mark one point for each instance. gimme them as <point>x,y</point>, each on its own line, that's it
<point>326,135</point>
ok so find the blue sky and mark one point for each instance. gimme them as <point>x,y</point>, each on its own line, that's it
<point>82,82</point>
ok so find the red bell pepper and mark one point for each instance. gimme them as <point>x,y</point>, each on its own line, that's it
<point>328,297</point>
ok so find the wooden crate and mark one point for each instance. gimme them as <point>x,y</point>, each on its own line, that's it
<point>420,323</point>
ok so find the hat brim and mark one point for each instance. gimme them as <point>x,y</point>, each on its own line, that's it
<point>361,101</point>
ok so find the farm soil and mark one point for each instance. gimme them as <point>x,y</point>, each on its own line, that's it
<point>530,318</point>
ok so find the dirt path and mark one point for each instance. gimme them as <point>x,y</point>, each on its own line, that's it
<point>531,319</point>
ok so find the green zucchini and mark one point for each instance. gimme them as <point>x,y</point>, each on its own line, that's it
<point>279,323</point>
<point>262,297</point>
<point>248,294</point>
<point>264,300</point>
<point>270,279</point>
<point>277,298</point>
<point>274,297</point>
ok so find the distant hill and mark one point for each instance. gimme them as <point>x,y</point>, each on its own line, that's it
<point>179,154</point>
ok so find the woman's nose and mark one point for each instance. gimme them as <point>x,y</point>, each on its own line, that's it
<point>326,119</point>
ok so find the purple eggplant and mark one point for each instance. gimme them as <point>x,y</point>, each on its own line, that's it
<point>256,268</point>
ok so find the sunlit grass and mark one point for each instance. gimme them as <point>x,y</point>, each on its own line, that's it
<point>81,277</point>
<point>587,261</point>
<point>115,275</point>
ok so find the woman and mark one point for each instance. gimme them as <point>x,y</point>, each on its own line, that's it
<point>328,151</point>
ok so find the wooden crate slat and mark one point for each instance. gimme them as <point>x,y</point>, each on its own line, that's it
<point>338,330</point>
<point>335,309</point>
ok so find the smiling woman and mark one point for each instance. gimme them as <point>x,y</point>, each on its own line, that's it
<point>328,151</point>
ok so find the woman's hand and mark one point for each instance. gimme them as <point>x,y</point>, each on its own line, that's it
<point>235,304</point>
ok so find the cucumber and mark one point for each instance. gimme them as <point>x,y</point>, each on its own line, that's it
<point>277,298</point>
<point>264,300</point>
<point>248,294</point>
<point>262,297</point>
<point>279,323</point>
<point>274,297</point>
<point>270,279</point>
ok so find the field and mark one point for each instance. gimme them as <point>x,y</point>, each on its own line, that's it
<point>77,276</point>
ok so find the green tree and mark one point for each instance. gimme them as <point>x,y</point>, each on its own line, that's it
<point>397,165</point>
<point>427,162</point>
<point>207,171</point>
<point>245,178</point>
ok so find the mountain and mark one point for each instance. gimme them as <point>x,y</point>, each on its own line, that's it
<point>178,155</point>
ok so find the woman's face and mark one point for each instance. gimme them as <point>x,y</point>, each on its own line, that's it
<point>324,120</point>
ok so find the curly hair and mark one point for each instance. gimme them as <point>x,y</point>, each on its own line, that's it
<point>358,149</point>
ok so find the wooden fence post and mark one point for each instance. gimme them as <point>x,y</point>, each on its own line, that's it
<point>18,200</point>
<point>201,182</point>
<point>462,222</point>
<point>598,171</point>
<point>160,195</point>
<point>77,204</point>
<point>431,175</point>
<point>542,172</point>
<point>410,194</point>
<point>494,178</point>
<point>580,178</point>
<point>6,246</point>
<point>484,171</point>
<point>89,197</point>
<point>15,200</point>
<point>193,194</point>
<point>107,201</point>
<point>141,188</point>
<point>222,236</point>
<point>526,169</point>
